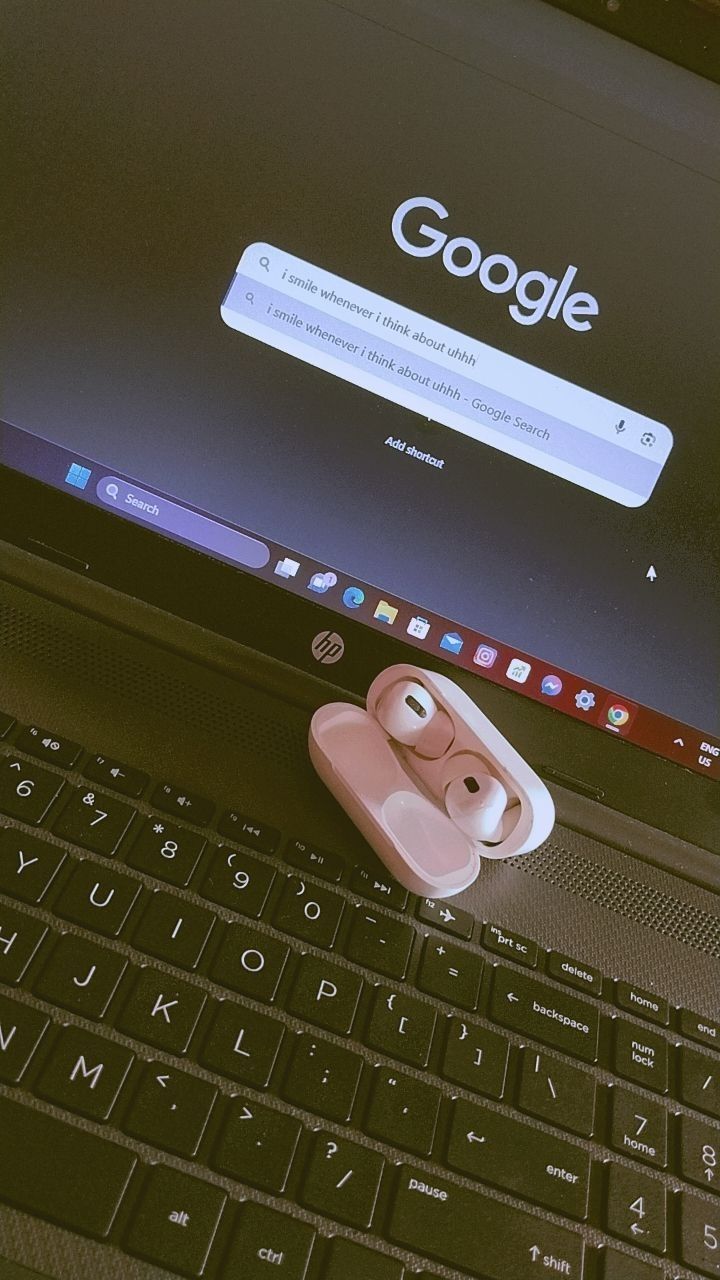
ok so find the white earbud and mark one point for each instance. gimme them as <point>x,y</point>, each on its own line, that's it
<point>410,715</point>
<point>476,802</point>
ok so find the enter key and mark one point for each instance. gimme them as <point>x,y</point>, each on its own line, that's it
<point>520,1159</point>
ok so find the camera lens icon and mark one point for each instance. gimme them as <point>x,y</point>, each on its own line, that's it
<point>648,439</point>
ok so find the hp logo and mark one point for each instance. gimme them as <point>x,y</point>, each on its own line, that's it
<point>328,647</point>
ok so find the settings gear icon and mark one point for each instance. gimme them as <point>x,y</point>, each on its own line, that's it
<point>584,700</point>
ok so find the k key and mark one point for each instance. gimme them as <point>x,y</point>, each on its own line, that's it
<point>162,1011</point>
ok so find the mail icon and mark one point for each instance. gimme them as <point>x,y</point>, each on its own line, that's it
<point>452,641</point>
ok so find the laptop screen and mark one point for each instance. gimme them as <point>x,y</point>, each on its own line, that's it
<point>418,322</point>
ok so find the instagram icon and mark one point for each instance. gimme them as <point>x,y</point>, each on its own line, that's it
<point>485,655</point>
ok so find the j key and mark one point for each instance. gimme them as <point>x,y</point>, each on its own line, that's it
<point>700,1153</point>
<point>26,791</point>
<point>380,943</point>
<point>620,1266</point>
<point>176,1220</point>
<point>539,1011</point>
<point>574,973</point>
<point>84,1073</point>
<point>21,1030</point>
<point>250,963</point>
<point>261,1237</point>
<point>325,994</point>
<point>323,1078</point>
<point>641,1055</point>
<point>468,1230</point>
<point>256,1145</point>
<point>116,775</point>
<point>242,1044</point>
<point>403,1111</point>
<point>554,1091</point>
<point>307,857</point>
<point>36,1178</point>
<point>700,1081</point>
<point>174,930</point>
<point>238,881</point>
<point>20,937</point>
<point>476,1058</point>
<point>510,1154</point>
<point>170,1109</point>
<point>48,746</point>
<point>379,889</point>
<point>170,853</point>
<point>347,1258</point>
<point>28,865</point>
<point>699,1234</point>
<point>244,830</point>
<point>183,804</point>
<point>511,945</point>
<point>646,1004</point>
<point>309,912</point>
<point>450,919</point>
<point>162,1011</point>
<point>401,1026</point>
<point>98,898</point>
<point>95,821</point>
<point>342,1181</point>
<point>6,723</point>
<point>636,1209</point>
<point>81,976</point>
<point>450,972</point>
<point>639,1127</point>
<point>697,1027</point>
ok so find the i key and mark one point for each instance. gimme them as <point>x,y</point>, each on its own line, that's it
<point>342,1180</point>
<point>174,930</point>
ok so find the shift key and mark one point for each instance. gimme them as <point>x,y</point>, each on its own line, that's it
<point>542,1013</point>
<point>467,1229</point>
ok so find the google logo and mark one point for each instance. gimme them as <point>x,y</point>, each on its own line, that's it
<point>617,715</point>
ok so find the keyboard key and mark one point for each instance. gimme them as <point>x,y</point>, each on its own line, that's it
<point>162,1011</point>
<point>250,962</point>
<point>256,1145</point>
<point>697,1027</point>
<point>20,937</point>
<point>174,930</point>
<point>403,1111</point>
<point>242,1044</point>
<point>401,1026</point>
<point>511,945</point>
<point>639,1127</point>
<point>183,804</point>
<point>636,1208</point>
<point>645,1004</point>
<point>348,1259</point>
<point>48,746</point>
<point>699,1153</point>
<point>534,1009</point>
<point>641,1055</point>
<point>238,881</point>
<point>699,1234</point>
<point>527,1162</point>
<point>28,865</point>
<point>307,857</point>
<point>95,821</point>
<point>81,976</point>
<point>6,723</point>
<point>308,912</point>
<point>116,775</point>
<point>21,1030</point>
<point>323,1078</point>
<point>265,1241</point>
<point>441,916</point>
<point>170,1109</point>
<point>168,852</point>
<point>382,889</point>
<point>342,1180</point>
<point>467,1229</point>
<point>26,791</point>
<point>476,1057</point>
<point>325,994</point>
<point>380,943</point>
<point>175,1221</point>
<point>554,1091</point>
<point>36,1179</point>
<point>620,1266</point>
<point>84,1073</point>
<point>244,830</point>
<point>451,973</point>
<point>699,1079</point>
<point>99,898</point>
<point>574,973</point>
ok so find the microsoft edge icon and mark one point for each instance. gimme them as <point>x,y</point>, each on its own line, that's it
<point>353,597</point>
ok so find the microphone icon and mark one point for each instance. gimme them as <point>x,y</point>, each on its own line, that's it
<point>620,426</point>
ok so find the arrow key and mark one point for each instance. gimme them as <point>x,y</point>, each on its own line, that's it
<point>700,1153</point>
<point>170,1109</point>
<point>636,1208</point>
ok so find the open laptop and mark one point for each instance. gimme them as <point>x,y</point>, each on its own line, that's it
<point>340,335</point>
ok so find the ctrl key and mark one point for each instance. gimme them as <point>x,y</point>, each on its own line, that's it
<point>267,1244</point>
<point>176,1220</point>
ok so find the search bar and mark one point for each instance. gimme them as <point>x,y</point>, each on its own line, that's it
<point>180,522</point>
<point>445,375</point>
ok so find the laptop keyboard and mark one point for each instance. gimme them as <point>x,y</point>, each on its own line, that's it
<point>285,1021</point>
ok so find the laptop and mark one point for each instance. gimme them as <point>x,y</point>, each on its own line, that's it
<point>341,335</point>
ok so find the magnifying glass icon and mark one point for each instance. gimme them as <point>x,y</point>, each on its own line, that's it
<point>112,491</point>
<point>250,297</point>
<point>265,263</point>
